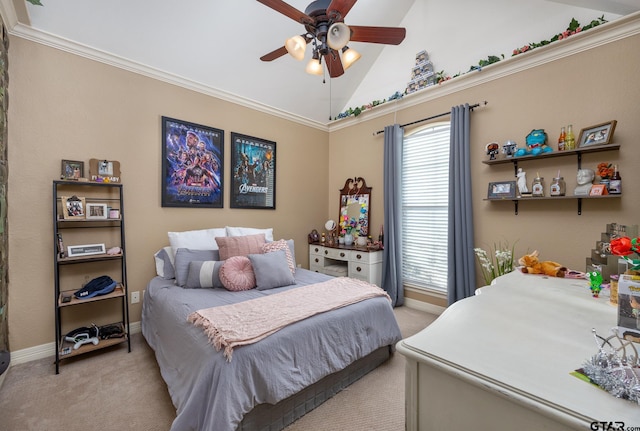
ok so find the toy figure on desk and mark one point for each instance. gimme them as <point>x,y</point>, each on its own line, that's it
<point>595,280</point>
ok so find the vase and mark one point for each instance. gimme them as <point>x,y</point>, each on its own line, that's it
<point>606,183</point>
<point>348,239</point>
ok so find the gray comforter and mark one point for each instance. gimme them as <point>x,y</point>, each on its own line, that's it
<point>211,394</point>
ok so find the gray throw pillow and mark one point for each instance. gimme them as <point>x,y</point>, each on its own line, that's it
<point>204,274</point>
<point>185,255</point>
<point>271,270</point>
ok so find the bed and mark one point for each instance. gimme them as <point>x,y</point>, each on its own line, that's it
<point>269,384</point>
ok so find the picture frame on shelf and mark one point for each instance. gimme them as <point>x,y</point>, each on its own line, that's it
<point>71,170</point>
<point>598,190</point>
<point>253,172</point>
<point>73,207</point>
<point>104,171</point>
<point>96,212</point>
<point>600,134</point>
<point>502,190</point>
<point>192,165</point>
<point>86,250</point>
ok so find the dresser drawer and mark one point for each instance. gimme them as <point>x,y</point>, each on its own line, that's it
<point>315,250</point>
<point>365,257</point>
<point>336,253</point>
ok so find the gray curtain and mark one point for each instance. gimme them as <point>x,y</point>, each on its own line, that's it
<point>392,254</point>
<point>461,279</point>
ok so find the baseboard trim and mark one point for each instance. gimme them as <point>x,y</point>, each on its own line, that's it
<point>423,306</point>
<point>49,349</point>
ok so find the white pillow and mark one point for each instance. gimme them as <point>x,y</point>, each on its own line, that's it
<point>164,263</point>
<point>242,231</point>
<point>203,239</point>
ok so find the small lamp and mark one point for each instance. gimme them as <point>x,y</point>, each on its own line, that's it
<point>296,46</point>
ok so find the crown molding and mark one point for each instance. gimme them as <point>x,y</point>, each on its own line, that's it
<point>612,31</point>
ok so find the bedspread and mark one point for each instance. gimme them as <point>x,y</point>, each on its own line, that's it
<point>250,321</point>
<point>211,394</point>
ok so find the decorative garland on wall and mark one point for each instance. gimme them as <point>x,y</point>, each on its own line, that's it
<point>574,28</point>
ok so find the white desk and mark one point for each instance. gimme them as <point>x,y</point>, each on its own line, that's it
<point>501,360</point>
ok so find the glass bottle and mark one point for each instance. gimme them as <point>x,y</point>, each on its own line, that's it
<point>615,183</point>
<point>570,139</point>
<point>558,187</point>
<point>323,239</point>
<point>537,187</point>
<point>561,140</point>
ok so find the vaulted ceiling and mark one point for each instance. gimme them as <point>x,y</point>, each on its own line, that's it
<point>214,46</point>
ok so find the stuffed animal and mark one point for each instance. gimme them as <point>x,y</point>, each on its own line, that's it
<point>532,265</point>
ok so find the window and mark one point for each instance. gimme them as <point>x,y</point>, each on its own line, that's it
<point>425,199</point>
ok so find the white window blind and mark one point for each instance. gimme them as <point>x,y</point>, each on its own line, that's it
<point>425,183</point>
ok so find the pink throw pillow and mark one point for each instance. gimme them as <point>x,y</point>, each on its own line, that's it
<point>240,245</point>
<point>236,274</point>
<point>281,245</point>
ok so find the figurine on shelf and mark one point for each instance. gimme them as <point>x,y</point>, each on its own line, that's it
<point>509,148</point>
<point>595,281</point>
<point>492,150</point>
<point>585,181</point>
<point>522,182</point>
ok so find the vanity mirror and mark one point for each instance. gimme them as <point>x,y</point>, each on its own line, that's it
<point>355,197</point>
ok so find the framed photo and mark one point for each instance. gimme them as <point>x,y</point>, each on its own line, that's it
<point>72,170</point>
<point>104,171</point>
<point>192,165</point>
<point>72,207</point>
<point>96,212</point>
<point>253,164</point>
<point>600,134</point>
<point>502,190</point>
<point>85,250</point>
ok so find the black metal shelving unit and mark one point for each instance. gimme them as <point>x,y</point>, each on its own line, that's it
<point>105,193</point>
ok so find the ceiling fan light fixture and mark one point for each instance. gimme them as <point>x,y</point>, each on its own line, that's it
<point>296,47</point>
<point>338,35</point>
<point>314,67</point>
<point>349,56</point>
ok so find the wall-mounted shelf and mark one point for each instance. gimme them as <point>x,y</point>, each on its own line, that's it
<point>577,152</point>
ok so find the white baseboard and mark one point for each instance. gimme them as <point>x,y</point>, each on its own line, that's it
<point>46,350</point>
<point>423,306</point>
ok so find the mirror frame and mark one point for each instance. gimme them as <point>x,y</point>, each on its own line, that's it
<point>355,188</point>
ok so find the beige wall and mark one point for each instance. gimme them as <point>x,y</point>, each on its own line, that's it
<point>67,107</point>
<point>585,89</point>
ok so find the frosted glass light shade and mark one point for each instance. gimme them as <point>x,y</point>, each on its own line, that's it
<point>349,56</point>
<point>314,67</point>
<point>296,46</point>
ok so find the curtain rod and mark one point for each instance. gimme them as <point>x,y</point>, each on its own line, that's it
<point>433,116</point>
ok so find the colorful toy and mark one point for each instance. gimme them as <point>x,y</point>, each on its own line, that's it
<point>536,144</point>
<point>492,149</point>
<point>595,280</point>
<point>532,265</point>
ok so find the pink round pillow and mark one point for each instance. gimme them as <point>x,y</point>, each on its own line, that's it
<point>236,274</point>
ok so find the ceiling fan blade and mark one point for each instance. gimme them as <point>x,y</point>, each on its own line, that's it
<point>288,10</point>
<point>342,7</point>
<point>276,53</point>
<point>386,35</point>
<point>334,64</point>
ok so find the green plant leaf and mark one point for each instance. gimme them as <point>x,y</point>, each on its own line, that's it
<point>35,2</point>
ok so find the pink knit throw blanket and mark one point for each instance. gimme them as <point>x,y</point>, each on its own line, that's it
<point>247,322</point>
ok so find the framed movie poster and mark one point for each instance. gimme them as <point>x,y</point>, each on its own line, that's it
<point>253,171</point>
<point>192,165</point>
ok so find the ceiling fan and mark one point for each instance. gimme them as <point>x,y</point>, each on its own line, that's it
<point>323,21</point>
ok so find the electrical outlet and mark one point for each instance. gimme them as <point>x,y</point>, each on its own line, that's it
<point>135,297</point>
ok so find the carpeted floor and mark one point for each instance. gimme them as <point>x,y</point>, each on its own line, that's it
<point>115,390</point>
